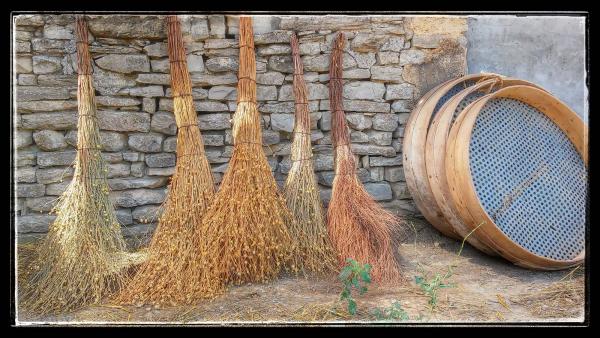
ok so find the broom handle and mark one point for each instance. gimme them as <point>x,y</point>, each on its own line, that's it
<point>339,127</point>
<point>181,83</point>
<point>302,124</point>
<point>247,70</point>
<point>84,66</point>
<point>88,142</point>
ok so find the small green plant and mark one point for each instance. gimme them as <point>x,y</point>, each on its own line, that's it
<point>432,286</point>
<point>394,312</point>
<point>354,275</point>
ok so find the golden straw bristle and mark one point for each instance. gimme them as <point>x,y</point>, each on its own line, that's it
<point>313,248</point>
<point>248,218</point>
<point>82,258</point>
<point>174,273</point>
<point>358,227</point>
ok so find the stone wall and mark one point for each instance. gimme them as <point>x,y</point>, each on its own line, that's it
<point>390,61</point>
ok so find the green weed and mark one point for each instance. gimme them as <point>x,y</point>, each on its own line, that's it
<point>354,276</point>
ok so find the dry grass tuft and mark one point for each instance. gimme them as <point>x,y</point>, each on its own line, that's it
<point>313,247</point>
<point>559,300</point>
<point>83,257</point>
<point>175,273</point>
<point>358,227</point>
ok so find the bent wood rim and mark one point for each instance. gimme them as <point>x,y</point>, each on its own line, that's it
<point>415,136</point>
<point>408,174</point>
<point>567,120</point>
<point>435,155</point>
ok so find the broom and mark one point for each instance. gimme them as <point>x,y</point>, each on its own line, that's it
<point>358,227</point>
<point>313,252</point>
<point>174,273</point>
<point>248,218</point>
<point>83,257</point>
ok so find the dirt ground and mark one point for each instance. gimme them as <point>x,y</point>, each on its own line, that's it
<point>482,289</point>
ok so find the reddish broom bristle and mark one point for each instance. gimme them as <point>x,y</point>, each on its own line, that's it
<point>358,227</point>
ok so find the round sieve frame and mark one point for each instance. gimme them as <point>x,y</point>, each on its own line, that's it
<point>413,148</point>
<point>460,179</point>
<point>435,151</point>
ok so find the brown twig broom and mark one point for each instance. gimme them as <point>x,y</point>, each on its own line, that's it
<point>248,218</point>
<point>174,273</point>
<point>82,258</point>
<point>358,227</point>
<point>313,250</point>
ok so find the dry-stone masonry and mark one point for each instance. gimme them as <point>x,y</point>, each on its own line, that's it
<point>390,61</point>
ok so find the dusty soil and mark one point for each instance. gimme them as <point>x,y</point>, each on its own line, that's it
<point>482,289</point>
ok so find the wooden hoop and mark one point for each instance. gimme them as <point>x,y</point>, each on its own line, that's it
<point>461,182</point>
<point>435,156</point>
<point>413,148</point>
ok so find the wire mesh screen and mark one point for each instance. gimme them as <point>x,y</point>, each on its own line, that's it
<point>466,101</point>
<point>530,179</point>
<point>453,91</point>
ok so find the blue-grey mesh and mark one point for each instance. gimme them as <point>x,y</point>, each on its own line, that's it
<point>529,178</point>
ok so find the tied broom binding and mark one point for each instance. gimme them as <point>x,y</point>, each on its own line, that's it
<point>248,218</point>
<point>358,227</point>
<point>83,257</point>
<point>313,248</point>
<point>175,273</point>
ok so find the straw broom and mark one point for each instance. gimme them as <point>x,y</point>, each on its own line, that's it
<point>82,259</point>
<point>313,252</point>
<point>174,273</point>
<point>248,218</point>
<point>358,227</point>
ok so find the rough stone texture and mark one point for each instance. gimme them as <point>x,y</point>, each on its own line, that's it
<point>34,223</point>
<point>381,191</point>
<point>146,213</point>
<point>136,197</point>
<point>57,158</point>
<point>124,121</point>
<point>222,64</point>
<point>364,90</point>
<point>53,175</point>
<point>399,91</point>
<point>282,122</point>
<point>46,64</point>
<point>388,63</point>
<point>127,26</point>
<point>134,183</point>
<point>148,143</point>
<point>49,140</point>
<point>124,63</point>
<point>161,160</point>
<point>385,122</point>
<point>24,138</point>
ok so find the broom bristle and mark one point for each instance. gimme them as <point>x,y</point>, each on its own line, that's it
<point>174,273</point>
<point>358,227</point>
<point>82,258</point>
<point>313,248</point>
<point>247,221</point>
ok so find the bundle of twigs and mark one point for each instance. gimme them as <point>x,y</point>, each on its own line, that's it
<point>174,272</point>
<point>358,227</point>
<point>248,218</point>
<point>313,251</point>
<point>83,257</point>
